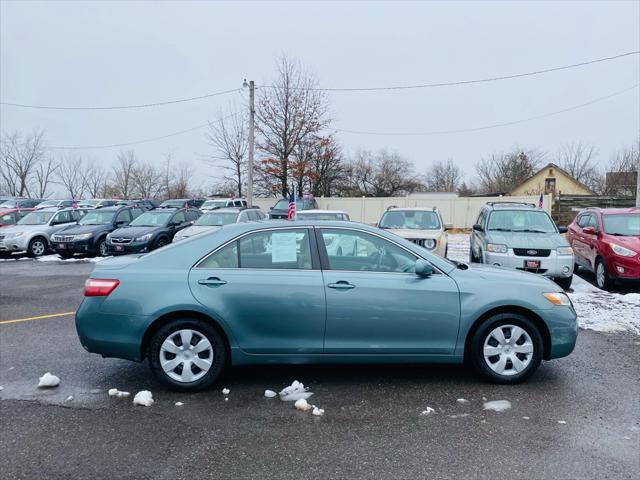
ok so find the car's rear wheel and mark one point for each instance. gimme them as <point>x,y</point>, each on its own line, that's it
<point>187,354</point>
<point>564,282</point>
<point>506,348</point>
<point>102,249</point>
<point>37,247</point>
<point>603,280</point>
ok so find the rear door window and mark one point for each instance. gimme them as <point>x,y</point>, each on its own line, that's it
<point>276,249</point>
<point>123,216</point>
<point>178,218</point>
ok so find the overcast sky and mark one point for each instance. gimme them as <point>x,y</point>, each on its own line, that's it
<point>117,53</point>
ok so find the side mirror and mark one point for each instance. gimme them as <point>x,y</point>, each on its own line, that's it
<point>563,229</point>
<point>423,268</point>
<point>121,223</point>
<point>478,228</point>
<point>448,226</point>
<point>589,230</point>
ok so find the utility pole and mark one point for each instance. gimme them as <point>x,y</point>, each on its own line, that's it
<point>638,184</point>
<point>252,115</point>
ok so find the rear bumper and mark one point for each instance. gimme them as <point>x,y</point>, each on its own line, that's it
<point>110,335</point>
<point>553,266</point>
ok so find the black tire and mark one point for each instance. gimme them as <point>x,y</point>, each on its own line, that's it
<point>446,251</point>
<point>576,267</point>
<point>564,282</point>
<point>604,281</point>
<point>37,247</point>
<point>161,242</point>
<point>201,328</point>
<point>476,356</point>
<point>102,249</point>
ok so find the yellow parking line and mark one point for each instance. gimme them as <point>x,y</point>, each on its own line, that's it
<point>39,317</point>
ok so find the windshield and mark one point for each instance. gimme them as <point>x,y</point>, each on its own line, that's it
<point>36,218</point>
<point>536,221</point>
<point>626,225</point>
<point>410,219</point>
<point>215,203</point>
<point>173,203</point>
<point>216,219</point>
<point>152,219</point>
<point>88,202</point>
<point>48,203</point>
<point>97,218</point>
<point>9,204</point>
<point>282,204</point>
<point>322,216</point>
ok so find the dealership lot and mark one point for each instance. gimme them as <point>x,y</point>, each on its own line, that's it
<point>372,426</point>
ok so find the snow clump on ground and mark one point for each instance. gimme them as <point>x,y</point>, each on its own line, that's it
<point>294,392</point>
<point>143,398</point>
<point>48,381</point>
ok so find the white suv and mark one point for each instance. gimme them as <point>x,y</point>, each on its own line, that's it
<point>422,226</point>
<point>215,203</point>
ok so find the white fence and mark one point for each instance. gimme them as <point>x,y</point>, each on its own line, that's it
<point>461,212</point>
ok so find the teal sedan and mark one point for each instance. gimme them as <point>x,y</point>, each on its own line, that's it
<point>277,292</point>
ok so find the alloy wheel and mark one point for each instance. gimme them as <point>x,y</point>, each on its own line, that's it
<point>37,248</point>
<point>508,350</point>
<point>103,249</point>
<point>601,275</point>
<point>186,355</point>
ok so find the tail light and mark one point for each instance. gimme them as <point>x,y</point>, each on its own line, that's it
<point>99,287</point>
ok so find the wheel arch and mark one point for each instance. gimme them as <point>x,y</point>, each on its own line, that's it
<point>536,319</point>
<point>167,317</point>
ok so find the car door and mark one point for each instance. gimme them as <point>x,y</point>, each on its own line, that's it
<point>267,287</point>
<point>376,304</point>
<point>591,241</point>
<point>60,220</point>
<point>177,223</point>
<point>476,237</point>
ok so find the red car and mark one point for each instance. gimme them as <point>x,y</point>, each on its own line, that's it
<point>607,242</point>
<point>10,216</point>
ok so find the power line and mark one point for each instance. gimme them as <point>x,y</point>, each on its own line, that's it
<point>495,125</point>
<point>346,89</point>
<point>124,107</point>
<point>467,82</point>
<point>137,142</point>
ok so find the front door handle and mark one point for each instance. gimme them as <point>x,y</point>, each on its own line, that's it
<point>212,282</point>
<point>341,285</point>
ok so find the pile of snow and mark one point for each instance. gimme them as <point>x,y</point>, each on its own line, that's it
<point>294,392</point>
<point>497,405</point>
<point>318,412</point>
<point>48,381</point>
<point>226,391</point>
<point>604,311</point>
<point>56,258</point>
<point>302,404</point>
<point>143,398</point>
<point>269,393</point>
<point>428,411</point>
<point>114,392</point>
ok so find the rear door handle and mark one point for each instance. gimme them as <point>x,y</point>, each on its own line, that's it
<point>341,285</point>
<point>212,281</point>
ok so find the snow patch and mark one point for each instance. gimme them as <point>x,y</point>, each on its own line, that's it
<point>179,404</point>
<point>318,412</point>
<point>143,398</point>
<point>226,391</point>
<point>497,405</point>
<point>114,392</point>
<point>48,381</point>
<point>294,392</point>
<point>562,422</point>
<point>525,418</point>
<point>269,393</point>
<point>69,398</point>
<point>302,404</point>
<point>462,400</point>
<point>459,415</point>
<point>1,388</point>
<point>56,258</point>
<point>428,411</point>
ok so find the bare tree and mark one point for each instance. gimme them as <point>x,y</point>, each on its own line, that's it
<point>622,171</point>
<point>70,174</point>
<point>123,173</point>
<point>443,177</point>
<point>43,175</point>
<point>230,139</point>
<point>579,160</point>
<point>18,160</point>
<point>147,180</point>
<point>502,172</point>
<point>95,180</point>
<point>181,183</point>
<point>287,114</point>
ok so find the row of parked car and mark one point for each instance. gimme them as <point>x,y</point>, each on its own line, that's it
<point>506,234</point>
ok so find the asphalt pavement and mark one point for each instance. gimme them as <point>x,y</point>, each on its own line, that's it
<point>372,428</point>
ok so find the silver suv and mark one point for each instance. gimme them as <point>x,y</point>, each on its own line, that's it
<point>523,237</point>
<point>33,232</point>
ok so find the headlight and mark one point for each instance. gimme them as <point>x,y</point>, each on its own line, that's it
<point>564,251</point>
<point>83,236</point>
<point>144,238</point>
<point>430,244</point>
<point>558,298</point>
<point>15,234</point>
<point>624,252</point>
<point>495,248</point>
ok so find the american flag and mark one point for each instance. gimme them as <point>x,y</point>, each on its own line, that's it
<point>291,211</point>
<point>540,201</point>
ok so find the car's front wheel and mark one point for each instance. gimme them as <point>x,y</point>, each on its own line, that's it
<point>102,248</point>
<point>564,282</point>
<point>506,348</point>
<point>603,280</point>
<point>37,247</point>
<point>187,354</point>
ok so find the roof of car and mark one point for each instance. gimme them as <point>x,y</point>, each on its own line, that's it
<point>613,211</point>
<point>511,205</point>
<point>412,209</point>
<point>227,209</point>
<point>317,210</point>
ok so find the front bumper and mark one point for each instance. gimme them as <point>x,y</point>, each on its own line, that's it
<point>278,216</point>
<point>554,266</point>
<point>624,268</point>
<point>563,329</point>
<point>82,246</point>
<point>128,248</point>
<point>14,244</point>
